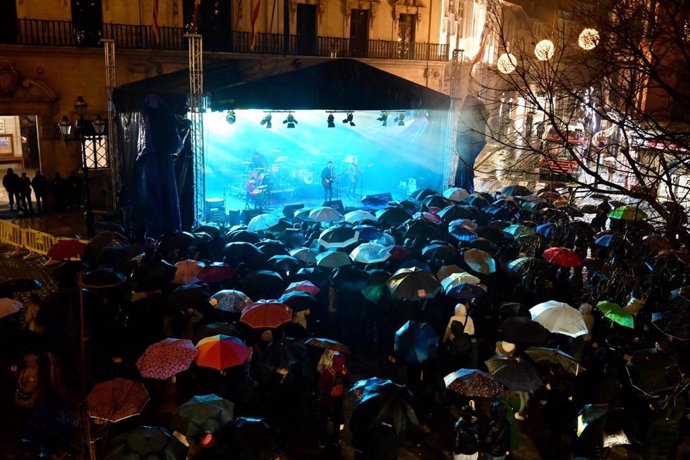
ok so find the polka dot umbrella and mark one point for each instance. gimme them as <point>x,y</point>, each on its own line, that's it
<point>166,358</point>
<point>230,300</point>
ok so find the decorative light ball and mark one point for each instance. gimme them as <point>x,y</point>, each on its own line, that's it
<point>470,45</point>
<point>544,50</point>
<point>588,39</point>
<point>506,63</point>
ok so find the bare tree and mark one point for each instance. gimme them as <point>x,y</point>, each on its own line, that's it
<point>595,95</point>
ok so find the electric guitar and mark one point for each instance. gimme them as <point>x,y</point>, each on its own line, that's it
<point>329,180</point>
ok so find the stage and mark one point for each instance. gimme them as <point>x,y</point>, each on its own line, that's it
<point>261,161</point>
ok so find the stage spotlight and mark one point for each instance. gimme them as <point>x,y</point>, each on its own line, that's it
<point>290,121</point>
<point>349,119</point>
<point>331,120</point>
<point>230,117</point>
<point>400,119</point>
<point>383,119</point>
<point>266,121</point>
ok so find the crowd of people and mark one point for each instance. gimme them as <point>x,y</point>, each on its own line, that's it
<point>425,318</point>
<point>63,193</point>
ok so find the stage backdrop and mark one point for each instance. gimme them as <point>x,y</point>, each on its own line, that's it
<point>392,158</point>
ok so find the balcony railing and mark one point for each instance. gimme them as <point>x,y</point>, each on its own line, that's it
<point>62,33</point>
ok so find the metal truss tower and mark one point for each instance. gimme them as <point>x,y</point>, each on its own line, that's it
<point>197,107</point>
<point>110,83</point>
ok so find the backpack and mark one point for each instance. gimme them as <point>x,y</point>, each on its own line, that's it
<point>338,385</point>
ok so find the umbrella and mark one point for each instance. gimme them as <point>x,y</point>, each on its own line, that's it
<point>382,401</point>
<point>413,284</point>
<point>306,255</point>
<point>202,414</point>
<point>497,361</point>
<point>327,344</point>
<point>435,201</point>
<point>339,236</point>
<point>271,248</point>
<point>516,190</point>
<point>363,387</point>
<point>370,253</point>
<point>473,383</point>
<point>242,252</point>
<point>221,352</point>
<point>255,439</point>
<point>9,307</point>
<point>653,372</point>
<point>514,309</point>
<point>560,318</point>
<point>187,271</point>
<point>103,278</point>
<point>189,296</point>
<point>518,376</point>
<point>428,216</point>
<point>462,230</point>
<point>673,324</point>
<point>349,277</point>
<point>527,265</point>
<point>358,216</point>
<point>479,261</point>
<point>66,249</point>
<point>147,442</point>
<point>268,314</point>
<point>563,257</point>
<point>263,222</point>
<point>415,342</point>
<point>152,274</point>
<point>420,228</point>
<point>243,236</point>
<point>552,356</point>
<point>456,194</point>
<point>422,193</point>
<point>215,328</point>
<point>609,241</point>
<point>628,213</point>
<point>446,270</point>
<point>477,201</point>
<point>588,414</point>
<point>616,313</point>
<point>458,278</point>
<point>517,230</point>
<point>462,291</point>
<point>333,259</point>
<point>264,284</point>
<point>286,264</point>
<point>369,232</point>
<point>230,300</point>
<point>115,400</point>
<point>393,216</point>
<point>166,358</point>
<point>438,251</point>
<point>303,286</point>
<point>523,330</point>
<point>657,243</point>
<point>324,214</point>
<point>215,273</point>
<point>298,301</point>
<point>547,229</point>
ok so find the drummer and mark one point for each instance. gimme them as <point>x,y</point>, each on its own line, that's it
<point>258,161</point>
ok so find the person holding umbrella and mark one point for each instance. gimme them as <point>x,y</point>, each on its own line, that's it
<point>334,378</point>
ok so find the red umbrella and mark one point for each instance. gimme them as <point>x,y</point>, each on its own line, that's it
<point>116,400</point>
<point>215,273</point>
<point>564,257</point>
<point>166,358</point>
<point>221,352</point>
<point>268,314</point>
<point>303,286</point>
<point>66,249</point>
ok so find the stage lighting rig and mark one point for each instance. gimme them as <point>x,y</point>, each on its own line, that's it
<point>230,117</point>
<point>266,121</point>
<point>383,118</point>
<point>349,119</point>
<point>290,121</point>
<point>330,120</point>
<point>400,119</point>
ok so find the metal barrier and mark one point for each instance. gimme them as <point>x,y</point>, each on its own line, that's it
<point>36,241</point>
<point>10,233</point>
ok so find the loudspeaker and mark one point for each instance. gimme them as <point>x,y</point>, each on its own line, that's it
<point>249,214</point>
<point>378,199</point>
<point>289,209</point>
<point>234,217</point>
<point>335,204</point>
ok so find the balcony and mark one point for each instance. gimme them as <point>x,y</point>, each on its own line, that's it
<point>37,32</point>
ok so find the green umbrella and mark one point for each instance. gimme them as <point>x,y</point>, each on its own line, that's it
<point>202,414</point>
<point>627,212</point>
<point>375,292</point>
<point>616,313</point>
<point>517,230</point>
<point>147,442</point>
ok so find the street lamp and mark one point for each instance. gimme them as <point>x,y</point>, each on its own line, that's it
<point>88,134</point>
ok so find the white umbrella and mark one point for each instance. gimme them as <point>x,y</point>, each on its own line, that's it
<point>370,253</point>
<point>457,278</point>
<point>333,259</point>
<point>456,194</point>
<point>306,255</point>
<point>324,214</point>
<point>263,222</point>
<point>358,216</point>
<point>9,306</point>
<point>560,318</point>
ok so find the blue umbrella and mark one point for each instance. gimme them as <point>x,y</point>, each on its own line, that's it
<point>462,231</point>
<point>368,232</point>
<point>415,342</point>
<point>608,241</point>
<point>546,230</point>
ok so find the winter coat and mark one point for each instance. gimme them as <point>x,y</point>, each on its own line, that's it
<point>466,435</point>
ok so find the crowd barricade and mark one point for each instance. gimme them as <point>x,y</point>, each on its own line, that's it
<point>37,242</point>
<point>10,233</point>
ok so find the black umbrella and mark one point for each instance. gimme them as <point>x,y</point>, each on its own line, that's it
<point>422,193</point>
<point>518,376</point>
<point>171,244</point>
<point>243,236</point>
<point>451,213</point>
<point>440,251</point>
<point>241,252</point>
<point>298,301</point>
<point>285,264</point>
<point>653,372</point>
<point>189,296</point>
<point>392,216</point>
<point>272,248</point>
<point>528,265</point>
<point>264,284</point>
<point>673,323</point>
<point>350,277</point>
<point>435,201</point>
<point>554,357</point>
<point>387,403</point>
<point>216,328</point>
<point>413,284</point>
<point>484,245</point>
<point>253,438</point>
<point>514,309</point>
<point>103,278</point>
<point>420,228</point>
<point>477,200</point>
<point>516,190</point>
<point>152,274</point>
<point>338,236</point>
<point>523,330</point>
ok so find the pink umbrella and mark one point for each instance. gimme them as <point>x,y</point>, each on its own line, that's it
<point>303,286</point>
<point>166,358</point>
<point>188,271</point>
<point>215,273</point>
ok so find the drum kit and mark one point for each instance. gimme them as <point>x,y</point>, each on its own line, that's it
<point>282,175</point>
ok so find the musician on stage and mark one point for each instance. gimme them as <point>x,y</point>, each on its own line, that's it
<point>353,176</point>
<point>327,179</point>
<point>258,161</point>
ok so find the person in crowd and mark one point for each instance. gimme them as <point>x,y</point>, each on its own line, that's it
<point>334,379</point>
<point>10,181</point>
<point>497,437</point>
<point>59,192</point>
<point>39,183</point>
<point>466,442</point>
<point>25,193</point>
<point>73,184</point>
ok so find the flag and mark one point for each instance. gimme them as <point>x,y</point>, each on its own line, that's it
<point>195,18</point>
<point>154,27</point>
<point>482,44</point>
<point>256,7</point>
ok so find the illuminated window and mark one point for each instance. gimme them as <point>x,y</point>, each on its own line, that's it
<point>96,152</point>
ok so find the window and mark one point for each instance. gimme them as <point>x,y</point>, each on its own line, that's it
<point>96,150</point>
<point>406,29</point>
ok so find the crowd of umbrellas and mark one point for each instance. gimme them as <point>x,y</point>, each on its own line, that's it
<point>577,306</point>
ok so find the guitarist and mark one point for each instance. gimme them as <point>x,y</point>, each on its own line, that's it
<point>327,178</point>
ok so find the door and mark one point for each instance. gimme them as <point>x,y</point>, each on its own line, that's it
<point>306,29</point>
<point>407,25</point>
<point>87,22</point>
<point>359,33</point>
<point>214,18</point>
<point>8,23</point>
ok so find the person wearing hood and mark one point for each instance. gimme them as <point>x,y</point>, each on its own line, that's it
<point>497,438</point>
<point>466,439</point>
<point>458,337</point>
<point>461,317</point>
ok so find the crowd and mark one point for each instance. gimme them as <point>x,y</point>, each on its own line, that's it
<point>65,193</point>
<point>469,318</point>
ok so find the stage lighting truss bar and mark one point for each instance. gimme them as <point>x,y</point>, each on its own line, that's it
<point>197,109</point>
<point>110,83</point>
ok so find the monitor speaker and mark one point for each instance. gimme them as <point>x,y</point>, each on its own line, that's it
<point>289,209</point>
<point>249,214</point>
<point>335,204</point>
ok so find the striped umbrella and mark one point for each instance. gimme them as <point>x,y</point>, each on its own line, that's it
<point>221,352</point>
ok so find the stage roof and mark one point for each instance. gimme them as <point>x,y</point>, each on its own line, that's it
<point>288,84</point>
